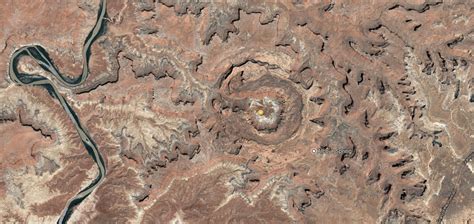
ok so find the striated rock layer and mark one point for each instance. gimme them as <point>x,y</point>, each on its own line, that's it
<point>290,111</point>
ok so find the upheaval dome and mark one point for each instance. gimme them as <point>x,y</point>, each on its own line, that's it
<point>285,111</point>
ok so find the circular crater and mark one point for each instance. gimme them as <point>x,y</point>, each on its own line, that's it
<point>270,110</point>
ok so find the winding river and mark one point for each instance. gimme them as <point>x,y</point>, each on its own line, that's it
<point>39,54</point>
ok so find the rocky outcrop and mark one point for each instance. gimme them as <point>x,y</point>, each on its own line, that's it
<point>244,111</point>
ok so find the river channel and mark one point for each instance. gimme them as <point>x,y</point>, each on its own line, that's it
<point>40,56</point>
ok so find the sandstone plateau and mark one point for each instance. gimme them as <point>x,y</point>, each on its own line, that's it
<point>241,111</point>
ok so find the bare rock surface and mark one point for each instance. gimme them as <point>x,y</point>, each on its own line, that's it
<point>286,111</point>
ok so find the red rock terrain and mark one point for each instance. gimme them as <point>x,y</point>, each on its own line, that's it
<point>290,111</point>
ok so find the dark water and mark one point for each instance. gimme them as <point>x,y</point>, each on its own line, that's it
<point>41,56</point>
